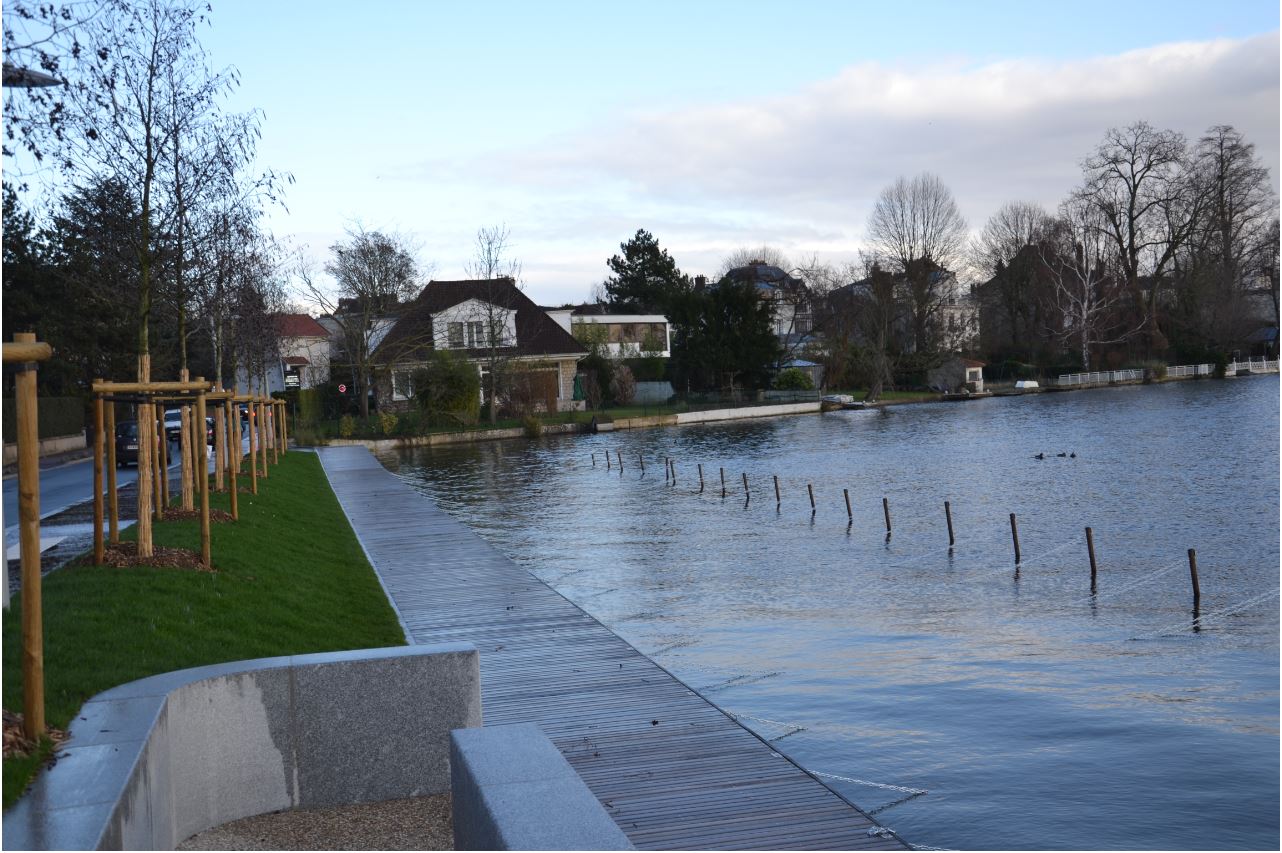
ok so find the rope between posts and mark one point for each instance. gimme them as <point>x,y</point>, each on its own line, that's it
<point>1139,582</point>
<point>1231,610</point>
<point>915,791</point>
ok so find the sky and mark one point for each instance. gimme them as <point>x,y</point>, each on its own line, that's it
<point>714,125</point>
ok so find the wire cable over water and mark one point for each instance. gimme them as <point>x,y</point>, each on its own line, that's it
<point>1200,621</point>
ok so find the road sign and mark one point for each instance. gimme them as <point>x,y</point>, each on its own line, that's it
<point>342,389</point>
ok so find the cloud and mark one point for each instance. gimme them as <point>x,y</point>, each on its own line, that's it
<point>801,170</point>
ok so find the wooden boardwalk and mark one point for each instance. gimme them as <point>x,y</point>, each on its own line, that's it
<point>674,771</point>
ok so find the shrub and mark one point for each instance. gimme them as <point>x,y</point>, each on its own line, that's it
<point>532,425</point>
<point>623,387</point>
<point>793,379</point>
<point>346,426</point>
<point>448,390</point>
<point>310,405</point>
<point>387,422</point>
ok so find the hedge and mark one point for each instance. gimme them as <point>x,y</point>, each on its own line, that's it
<point>58,416</point>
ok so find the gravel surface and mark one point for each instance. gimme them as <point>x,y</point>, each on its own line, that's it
<point>417,823</point>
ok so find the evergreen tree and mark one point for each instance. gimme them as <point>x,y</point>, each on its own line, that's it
<point>645,277</point>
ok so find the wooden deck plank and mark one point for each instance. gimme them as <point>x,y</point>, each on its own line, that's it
<point>672,769</point>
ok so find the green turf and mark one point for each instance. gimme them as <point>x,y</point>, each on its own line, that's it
<point>291,578</point>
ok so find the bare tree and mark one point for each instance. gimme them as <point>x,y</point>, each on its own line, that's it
<point>374,274</point>
<point>746,255</point>
<point>493,267</point>
<point>1085,293</point>
<point>1136,181</point>
<point>917,228</point>
<point>998,256</point>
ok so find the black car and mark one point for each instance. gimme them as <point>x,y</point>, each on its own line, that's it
<point>126,443</point>
<point>174,427</point>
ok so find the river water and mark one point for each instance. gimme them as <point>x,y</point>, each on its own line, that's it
<point>1034,713</point>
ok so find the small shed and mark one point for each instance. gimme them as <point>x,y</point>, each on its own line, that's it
<point>957,373</point>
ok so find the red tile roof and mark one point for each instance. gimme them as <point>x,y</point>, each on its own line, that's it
<point>296,361</point>
<point>299,326</point>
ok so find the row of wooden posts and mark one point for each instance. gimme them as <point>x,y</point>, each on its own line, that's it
<point>194,398</point>
<point>153,484</point>
<point>670,476</point>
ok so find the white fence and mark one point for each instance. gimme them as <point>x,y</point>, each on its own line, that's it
<point>1180,371</point>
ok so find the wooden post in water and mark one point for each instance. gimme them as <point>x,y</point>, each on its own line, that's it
<point>99,439</point>
<point>745,485</point>
<point>641,462</point>
<point>1197,589</point>
<point>674,472</point>
<point>846,494</point>
<point>811,490</point>
<point>593,460</point>
<point>778,500</point>
<point>203,468</point>
<point>609,466</point>
<point>948,514</point>
<point>1090,550</point>
<point>1014,536</point>
<point>33,672</point>
<point>885,510</point>
<point>700,478</point>
<point>113,505</point>
<point>723,482</point>
<point>619,454</point>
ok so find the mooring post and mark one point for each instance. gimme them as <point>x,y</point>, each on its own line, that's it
<point>1014,535</point>
<point>745,484</point>
<point>593,460</point>
<point>885,509</point>
<point>778,500</point>
<point>641,462</point>
<point>723,482</point>
<point>608,465</point>
<point>811,490</point>
<point>619,454</point>
<point>1197,590</point>
<point>674,472</point>
<point>1090,550</point>
<point>667,468</point>
<point>948,514</point>
<point>700,478</point>
<point>845,493</point>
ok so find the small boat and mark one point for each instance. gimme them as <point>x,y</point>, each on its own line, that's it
<point>833,402</point>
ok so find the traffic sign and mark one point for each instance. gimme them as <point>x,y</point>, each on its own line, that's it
<point>342,389</point>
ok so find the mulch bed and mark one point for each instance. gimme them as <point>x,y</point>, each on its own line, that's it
<point>16,743</point>
<point>215,515</point>
<point>125,554</point>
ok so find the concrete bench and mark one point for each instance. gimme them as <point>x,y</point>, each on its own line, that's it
<point>513,790</point>
<point>155,761</point>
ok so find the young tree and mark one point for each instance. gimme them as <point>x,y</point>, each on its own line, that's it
<point>374,274</point>
<point>493,268</point>
<point>645,277</point>
<point>1085,292</point>
<point>917,228</point>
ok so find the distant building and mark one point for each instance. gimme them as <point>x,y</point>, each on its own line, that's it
<point>302,355</point>
<point>474,318</point>
<point>792,315</point>
<point>625,334</point>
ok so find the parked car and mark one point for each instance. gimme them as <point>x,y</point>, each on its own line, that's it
<point>174,426</point>
<point>126,443</point>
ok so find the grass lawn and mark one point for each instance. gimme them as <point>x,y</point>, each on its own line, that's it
<point>291,578</point>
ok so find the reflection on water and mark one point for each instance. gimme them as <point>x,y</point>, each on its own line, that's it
<point>1036,714</point>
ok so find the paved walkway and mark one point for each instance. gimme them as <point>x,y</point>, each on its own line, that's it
<point>674,771</point>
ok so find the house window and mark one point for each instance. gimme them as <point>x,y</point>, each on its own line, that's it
<point>455,332</point>
<point>475,333</point>
<point>402,384</point>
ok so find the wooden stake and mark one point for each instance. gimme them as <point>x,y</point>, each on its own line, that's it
<point>885,509</point>
<point>1197,589</point>
<point>33,656</point>
<point>1090,550</point>
<point>593,460</point>
<point>220,447</point>
<point>674,472</point>
<point>163,447</point>
<point>948,515</point>
<point>146,450</point>
<point>846,494</point>
<point>186,449</point>
<point>262,435</point>
<point>700,478</point>
<point>1014,536</point>
<point>98,446</point>
<point>778,500</point>
<point>723,482</point>
<point>745,484</point>
<point>641,462</point>
<point>231,469</point>
<point>253,454</point>
<point>619,454</point>
<point>204,481</point>
<point>159,476</point>
<point>237,454</point>
<point>811,490</point>
<point>113,501</point>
